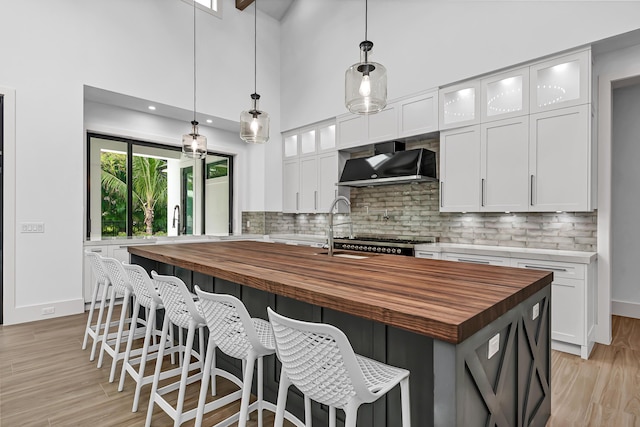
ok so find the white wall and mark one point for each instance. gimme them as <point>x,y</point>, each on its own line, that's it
<point>425,44</point>
<point>142,48</point>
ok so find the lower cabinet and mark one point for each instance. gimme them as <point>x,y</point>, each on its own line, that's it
<point>573,297</point>
<point>118,252</point>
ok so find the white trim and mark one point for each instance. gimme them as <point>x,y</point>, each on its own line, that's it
<point>217,12</point>
<point>30,313</point>
<point>10,313</point>
<point>605,82</point>
<point>626,309</point>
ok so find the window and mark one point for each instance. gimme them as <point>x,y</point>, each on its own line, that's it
<point>144,189</point>
<point>213,7</point>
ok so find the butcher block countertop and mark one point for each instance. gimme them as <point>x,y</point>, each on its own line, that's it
<point>445,300</point>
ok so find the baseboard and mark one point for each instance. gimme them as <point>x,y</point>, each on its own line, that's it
<point>625,309</point>
<point>32,313</point>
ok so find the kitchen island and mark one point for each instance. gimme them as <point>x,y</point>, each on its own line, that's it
<point>475,337</point>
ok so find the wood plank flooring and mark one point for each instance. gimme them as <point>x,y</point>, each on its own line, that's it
<point>47,380</point>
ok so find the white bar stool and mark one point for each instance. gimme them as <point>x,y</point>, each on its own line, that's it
<point>181,310</point>
<point>120,287</point>
<point>101,279</point>
<point>135,361</point>
<point>235,333</point>
<point>318,359</point>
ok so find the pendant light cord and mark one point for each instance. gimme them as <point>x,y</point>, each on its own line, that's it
<point>255,47</point>
<point>366,12</point>
<point>194,60</point>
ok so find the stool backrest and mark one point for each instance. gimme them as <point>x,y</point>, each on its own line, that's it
<point>143,287</point>
<point>318,359</point>
<point>97,267</point>
<point>117,275</point>
<point>178,301</point>
<point>230,325</point>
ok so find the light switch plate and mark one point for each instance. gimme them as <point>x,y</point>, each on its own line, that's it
<point>536,311</point>
<point>494,345</point>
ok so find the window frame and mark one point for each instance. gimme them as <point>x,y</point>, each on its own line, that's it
<point>130,152</point>
<point>217,12</point>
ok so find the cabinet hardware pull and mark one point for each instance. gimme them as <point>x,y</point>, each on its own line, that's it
<point>96,250</point>
<point>532,177</point>
<point>315,200</point>
<point>475,261</point>
<point>441,194</point>
<point>540,267</point>
<point>482,193</point>
<point>297,201</point>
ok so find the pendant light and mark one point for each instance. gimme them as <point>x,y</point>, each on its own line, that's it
<point>194,145</point>
<point>365,82</point>
<point>254,124</point>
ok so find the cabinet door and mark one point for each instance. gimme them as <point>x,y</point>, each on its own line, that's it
<point>291,186</point>
<point>460,170</point>
<point>290,146</point>
<point>560,160</point>
<point>308,142</point>
<point>326,137</point>
<point>419,114</point>
<point>308,185</point>
<point>477,259</point>
<point>327,179</point>
<point>561,82</point>
<point>351,131</point>
<point>120,253</point>
<point>89,277</point>
<point>459,105</point>
<point>383,126</point>
<point>504,165</point>
<point>505,95</point>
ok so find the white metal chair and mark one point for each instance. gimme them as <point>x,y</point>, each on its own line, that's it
<point>101,280</point>
<point>135,361</point>
<point>120,287</point>
<point>318,359</point>
<point>181,310</point>
<point>235,333</point>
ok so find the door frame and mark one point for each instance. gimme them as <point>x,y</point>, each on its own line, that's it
<point>606,83</point>
<point>9,212</point>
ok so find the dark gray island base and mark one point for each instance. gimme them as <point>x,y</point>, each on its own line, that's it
<point>453,381</point>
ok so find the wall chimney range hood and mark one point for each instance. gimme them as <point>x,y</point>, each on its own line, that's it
<point>394,167</point>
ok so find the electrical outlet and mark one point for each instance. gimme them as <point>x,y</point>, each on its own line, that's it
<point>536,311</point>
<point>48,310</point>
<point>248,224</point>
<point>494,345</point>
<point>32,227</point>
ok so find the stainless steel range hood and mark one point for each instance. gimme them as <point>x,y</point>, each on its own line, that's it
<point>418,165</point>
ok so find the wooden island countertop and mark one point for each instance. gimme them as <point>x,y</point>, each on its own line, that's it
<point>445,300</point>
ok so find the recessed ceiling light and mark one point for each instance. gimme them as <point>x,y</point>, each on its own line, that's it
<point>152,107</point>
<point>209,121</point>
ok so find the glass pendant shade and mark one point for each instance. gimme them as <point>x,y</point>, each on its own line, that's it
<point>365,84</point>
<point>194,145</point>
<point>254,124</point>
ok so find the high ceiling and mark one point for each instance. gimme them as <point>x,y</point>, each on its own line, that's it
<point>274,8</point>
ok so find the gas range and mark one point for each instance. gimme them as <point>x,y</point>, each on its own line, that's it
<point>381,245</point>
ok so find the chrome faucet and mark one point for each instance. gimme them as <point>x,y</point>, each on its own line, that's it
<point>176,218</point>
<point>331,224</point>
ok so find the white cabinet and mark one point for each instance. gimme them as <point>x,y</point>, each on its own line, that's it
<point>460,169</point>
<point>504,157</point>
<point>505,95</point>
<point>421,253</point>
<point>573,305</point>
<point>561,82</point>
<point>310,177</point>
<point>459,105</point>
<point>351,131</point>
<point>477,259</point>
<point>560,160</point>
<point>383,126</point>
<point>418,114</point>
<point>118,252</point>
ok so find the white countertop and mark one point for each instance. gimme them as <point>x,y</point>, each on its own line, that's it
<point>511,252</point>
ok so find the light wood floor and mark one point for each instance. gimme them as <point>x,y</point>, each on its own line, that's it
<point>47,380</point>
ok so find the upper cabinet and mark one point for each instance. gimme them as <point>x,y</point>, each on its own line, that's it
<point>405,117</point>
<point>561,82</point>
<point>505,95</point>
<point>460,105</point>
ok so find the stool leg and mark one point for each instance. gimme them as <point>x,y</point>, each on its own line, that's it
<point>246,390</point>
<point>307,412</point>
<point>107,326</point>
<point>127,351</point>
<point>94,298</point>
<point>185,374</point>
<point>405,402</point>
<point>282,399</point>
<point>144,355</point>
<point>209,365</point>
<point>180,343</point>
<point>116,348</point>
<point>156,374</point>
<point>105,292</point>
<point>260,386</point>
<point>332,416</point>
